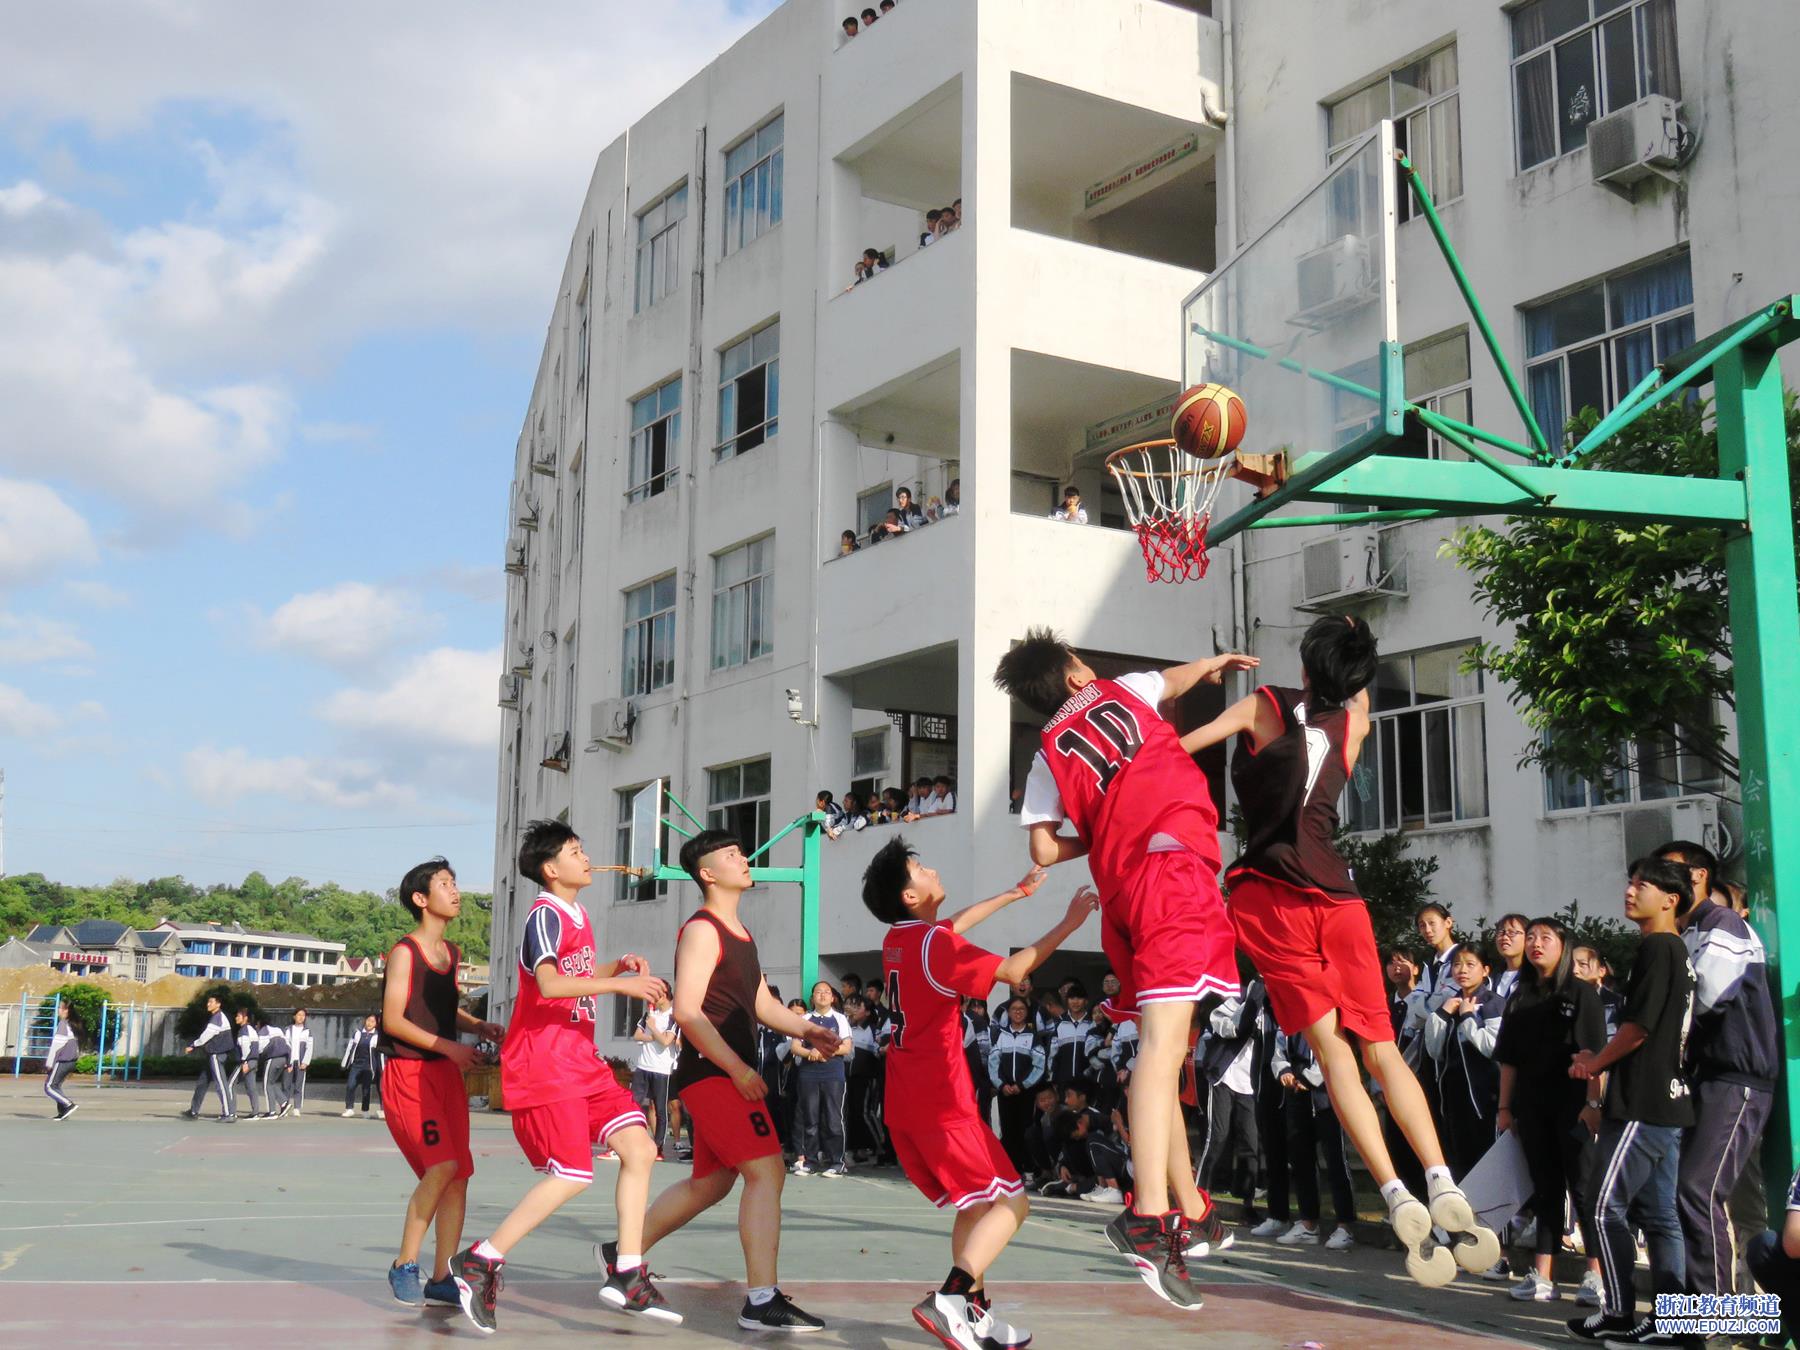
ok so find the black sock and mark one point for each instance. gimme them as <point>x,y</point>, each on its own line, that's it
<point>979,1299</point>
<point>958,1282</point>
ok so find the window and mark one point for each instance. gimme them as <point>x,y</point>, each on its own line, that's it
<point>625,886</point>
<point>872,508</point>
<point>1575,60</point>
<point>737,799</point>
<point>1659,768</point>
<point>659,249</point>
<point>749,392</point>
<point>753,186</point>
<point>1591,347</point>
<point>743,603</point>
<point>622,1019</point>
<point>1423,100</point>
<point>655,441</point>
<point>1425,761</point>
<point>868,753</point>
<point>649,660</point>
<point>1437,377</point>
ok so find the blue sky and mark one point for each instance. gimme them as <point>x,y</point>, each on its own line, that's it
<point>272,291</point>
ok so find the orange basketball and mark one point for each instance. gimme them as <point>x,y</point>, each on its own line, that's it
<point>1209,420</point>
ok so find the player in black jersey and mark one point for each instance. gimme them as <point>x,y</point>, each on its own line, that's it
<point>1297,914</point>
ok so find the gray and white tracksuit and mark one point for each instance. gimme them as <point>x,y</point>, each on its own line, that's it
<point>59,1063</point>
<point>214,1042</point>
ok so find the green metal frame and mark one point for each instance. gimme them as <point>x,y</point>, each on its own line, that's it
<point>1751,500</point>
<point>805,876</point>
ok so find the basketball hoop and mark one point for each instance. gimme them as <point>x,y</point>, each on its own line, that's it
<point>1168,495</point>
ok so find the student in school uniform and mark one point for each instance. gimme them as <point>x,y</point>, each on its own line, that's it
<point>1074,1040</point>
<point>821,1081</point>
<point>862,1101</point>
<point>274,1059</point>
<point>1509,946</point>
<point>214,1042</point>
<point>1312,1130</point>
<point>59,1062</point>
<point>1460,1039</point>
<point>1226,1071</point>
<point>362,1061</point>
<point>300,1052</point>
<point>1015,1067</point>
<point>243,1062</point>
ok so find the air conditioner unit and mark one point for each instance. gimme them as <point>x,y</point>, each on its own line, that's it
<point>522,667</point>
<point>1343,568</point>
<point>511,687</point>
<point>515,559</point>
<point>1333,281</point>
<point>544,462</point>
<point>1649,826</point>
<point>528,515</point>
<point>613,720</point>
<point>1634,143</point>
<point>556,751</point>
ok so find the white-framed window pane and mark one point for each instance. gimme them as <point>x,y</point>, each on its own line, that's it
<point>1577,93</point>
<point>753,173</point>
<point>1618,61</point>
<point>1355,113</point>
<point>738,800</point>
<point>1539,22</point>
<point>1534,107</point>
<point>868,752</point>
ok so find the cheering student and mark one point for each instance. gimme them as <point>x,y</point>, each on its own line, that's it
<point>215,1042</point>
<point>423,1100</point>
<point>1114,768</point>
<point>720,997</point>
<point>1299,918</point>
<point>563,1097</point>
<point>945,1148</point>
<point>362,1059</point>
<point>300,1051</point>
<point>59,1062</point>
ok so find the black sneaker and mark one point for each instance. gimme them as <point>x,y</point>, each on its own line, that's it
<point>1598,1326</point>
<point>479,1281</point>
<point>1208,1235</point>
<point>1154,1244</point>
<point>1644,1333</point>
<point>190,1115</point>
<point>778,1314</point>
<point>632,1291</point>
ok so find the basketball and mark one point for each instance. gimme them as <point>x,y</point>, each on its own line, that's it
<point>1209,420</point>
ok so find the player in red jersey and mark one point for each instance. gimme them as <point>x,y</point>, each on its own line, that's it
<point>1300,919</point>
<point>422,1095</point>
<point>561,1093</point>
<point>720,997</point>
<point>944,1146</point>
<point>1113,767</point>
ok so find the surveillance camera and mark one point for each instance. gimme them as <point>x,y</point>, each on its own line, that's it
<point>793,702</point>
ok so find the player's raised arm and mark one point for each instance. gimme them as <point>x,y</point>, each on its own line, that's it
<point>1049,848</point>
<point>965,919</point>
<point>1177,680</point>
<point>1028,958</point>
<point>1252,713</point>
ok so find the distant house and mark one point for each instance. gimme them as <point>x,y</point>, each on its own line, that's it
<point>102,947</point>
<point>233,952</point>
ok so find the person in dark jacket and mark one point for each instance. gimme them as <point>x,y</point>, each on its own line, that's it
<point>1015,1067</point>
<point>243,1061</point>
<point>1312,1132</point>
<point>1225,1066</point>
<point>274,1060</point>
<point>362,1059</point>
<point>1460,1037</point>
<point>215,1043</point>
<point>59,1062</point>
<point>1073,1041</point>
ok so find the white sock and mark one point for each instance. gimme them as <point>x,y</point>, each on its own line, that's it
<point>1433,1175</point>
<point>761,1294</point>
<point>623,1263</point>
<point>486,1252</point>
<point>1394,1192</point>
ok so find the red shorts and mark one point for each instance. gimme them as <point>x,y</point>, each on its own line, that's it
<point>427,1110</point>
<point>727,1130</point>
<point>1314,953</point>
<point>1167,936</point>
<point>958,1163</point>
<point>559,1137</point>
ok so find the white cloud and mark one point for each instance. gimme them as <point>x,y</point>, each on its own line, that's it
<point>350,624</point>
<point>39,531</point>
<point>27,639</point>
<point>96,594</point>
<point>223,777</point>
<point>22,717</point>
<point>443,700</point>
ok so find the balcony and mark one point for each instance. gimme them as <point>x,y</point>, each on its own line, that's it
<point>872,82</point>
<point>903,320</point>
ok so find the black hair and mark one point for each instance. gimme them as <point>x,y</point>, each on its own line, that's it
<point>1693,855</point>
<point>1431,907</point>
<point>934,213</point>
<point>1077,1086</point>
<point>417,881</point>
<point>1479,950</point>
<point>867,13</point>
<point>1074,989</point>
<point>872,988</point>
<point>1339,658</point>
<point>1071,491</point>
<point>849,20</point>
<point>851,978</point>
<point>1504,919</point>
<point>775,992</point>
<point>853,1001</point>
<point>902,488</point>
<point>1558,979</point>
<point>886,878</point>
<point>707,841</point>
<point>815,989</point>
<point>1667,876</point>
<point>1065,1126</point>
<point>1034,671</point>
<point>823,792</point>
<point>1022,1001</point>
<point>543,840</point>
<point>946,780</point>
<point>922,781</point>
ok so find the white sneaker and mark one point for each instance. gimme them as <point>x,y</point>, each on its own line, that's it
<point>1104,1195</point>
<point>1534,1288</point>
<point>993,1332</point>
<point>800,1169</point>
<point>1270,1227</point>
<point>1592,1293</point>
<point>946,1317</point>
<point>380,1113</point>
<point>1300,1235</point>
<point>1498,1273</point>
<point>1341,1240</point>
<point>348,1113</point>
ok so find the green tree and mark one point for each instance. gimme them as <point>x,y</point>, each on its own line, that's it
<point>85,1002</point>
<point>193,1018</point>
<point>1621,645</point>
<point>1393,882</point>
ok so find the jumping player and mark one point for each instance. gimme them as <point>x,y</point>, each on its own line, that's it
<point>720,996</point>
<point>1113,767</point>
<point>1299,918</point>
<point>945,1147</point>
<point>422,1096</point>
<point>562,1095</point>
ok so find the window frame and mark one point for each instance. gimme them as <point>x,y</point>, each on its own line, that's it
<point>736,221</point>
<point>642,483</point>
<point>759,598</point>
<point>1404,119</point>
<point>1634,783</point>
<point>1376,748</point>
<point>640,638</point>
<point>731,391</point>
<point>660,251</point>
<point>720,807</point>
<point>628,889</point>
<point>1549,49</point>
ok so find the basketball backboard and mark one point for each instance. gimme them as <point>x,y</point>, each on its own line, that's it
<point>647,828</point>
<point>1296,320</point>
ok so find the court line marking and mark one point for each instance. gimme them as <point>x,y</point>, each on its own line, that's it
<point>220,1218</point>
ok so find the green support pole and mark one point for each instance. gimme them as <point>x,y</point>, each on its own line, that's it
<point>1765,631</point>
<point>809,902</point>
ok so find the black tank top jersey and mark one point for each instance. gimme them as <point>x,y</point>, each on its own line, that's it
<point>1289,792</point>
<point>430,1002</point>
<point>730,1004</point>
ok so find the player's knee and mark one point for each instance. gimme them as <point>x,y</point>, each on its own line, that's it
<point>1020,1205</point>
<point>634,1148</point>
<point>442,1173</point>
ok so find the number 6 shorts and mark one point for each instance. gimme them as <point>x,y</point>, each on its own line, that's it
<point>427,1112</point>
<point>728,1131</point>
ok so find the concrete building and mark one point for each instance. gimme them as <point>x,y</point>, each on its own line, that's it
<point>99,947</point>
<point>717,403</point>
<point>233,952</point>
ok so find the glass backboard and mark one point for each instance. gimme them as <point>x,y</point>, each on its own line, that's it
<point>646,828</point>
<point>1295,320</point>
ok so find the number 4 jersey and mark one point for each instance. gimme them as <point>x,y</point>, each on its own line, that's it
<point>1115,770</point>
<point>549,1053</point>
<point>929,970</point>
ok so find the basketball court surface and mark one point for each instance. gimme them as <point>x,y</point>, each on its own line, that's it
<point>127,1226</point>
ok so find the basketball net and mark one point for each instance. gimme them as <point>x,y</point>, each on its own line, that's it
<point>1168,495</point>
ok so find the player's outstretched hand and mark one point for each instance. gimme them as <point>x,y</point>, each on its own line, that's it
<point>1083,903</point>
<point>493,1031</point>
<point>1031,880</point>
<point>750,1084</point>
<point>463,1055</point>
<point>822,1039</point>
<point>631,964</point>
<point>640,985</point>
<point>1230,661</point>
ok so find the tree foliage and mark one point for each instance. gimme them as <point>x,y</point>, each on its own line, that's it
<point>84,1002</point>
<point>368,924</point>
<point>193,1018</point>
<point>1621,635</point>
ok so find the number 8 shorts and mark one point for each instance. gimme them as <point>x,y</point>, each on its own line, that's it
<point>427,1112</point>
<point>728,1131</point>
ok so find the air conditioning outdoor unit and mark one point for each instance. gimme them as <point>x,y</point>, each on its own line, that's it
<point>528,515</point>
<point>1635,143</point>
<point>511,686</point>
<point>1343,568</point>
<point>544,462</point>
<point>1649,826</point>
<point>613,719</point>
<point>556,750</point>
<point>1334,280</point>
<point>522,667</point>
<point>515,559</point>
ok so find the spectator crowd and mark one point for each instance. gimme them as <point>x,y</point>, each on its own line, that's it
<point>905,516</point>
<point>892,806</point>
